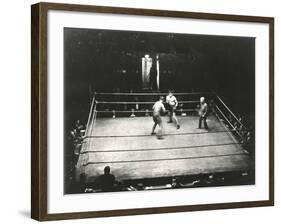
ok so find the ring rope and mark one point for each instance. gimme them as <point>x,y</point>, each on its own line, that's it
<point>90,114</point>
<point>124,102</point>
<point>150,94</point>
<point>168,134</point>
<point>230,123</point>
<point>93,119</point>
<point>160,149</point>
<point>167,159</point>
<point>138,111</point>
<point>231,112</point>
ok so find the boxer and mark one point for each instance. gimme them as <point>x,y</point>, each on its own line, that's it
<point>158,108</point>
<point>172,102</point>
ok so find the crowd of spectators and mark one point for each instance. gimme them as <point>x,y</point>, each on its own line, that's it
<point>76,136</point>
<point>74,140</point>
<point>107,182</point>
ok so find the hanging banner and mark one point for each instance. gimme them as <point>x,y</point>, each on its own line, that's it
<point>146,67</point>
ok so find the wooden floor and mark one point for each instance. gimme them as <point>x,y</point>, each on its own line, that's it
<point>126,146</point>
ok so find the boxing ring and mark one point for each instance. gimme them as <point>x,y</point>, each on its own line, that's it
<point>118,135</point>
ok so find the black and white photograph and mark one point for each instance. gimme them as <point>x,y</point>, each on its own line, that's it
<point>155,111</point>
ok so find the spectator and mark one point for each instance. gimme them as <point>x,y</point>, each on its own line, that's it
<point>212,106</point>
<point>81,184</point>
<point>78,127</point>
<point>106,182</point>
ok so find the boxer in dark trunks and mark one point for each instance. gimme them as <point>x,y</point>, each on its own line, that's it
<point>158,108</point>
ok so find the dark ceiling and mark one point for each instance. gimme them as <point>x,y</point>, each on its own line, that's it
<point>94,61</point>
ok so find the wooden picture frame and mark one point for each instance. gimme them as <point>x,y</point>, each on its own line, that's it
<point>39,109</point>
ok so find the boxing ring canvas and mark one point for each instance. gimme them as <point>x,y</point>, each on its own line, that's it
<point>134,154</point>
<point>133,119</point>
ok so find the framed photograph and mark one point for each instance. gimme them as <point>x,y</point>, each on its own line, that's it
<point>138,111</point>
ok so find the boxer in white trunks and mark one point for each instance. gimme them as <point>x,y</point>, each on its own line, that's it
<point>172,102</point>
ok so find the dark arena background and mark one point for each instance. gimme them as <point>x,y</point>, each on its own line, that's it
<point>111,81</point>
